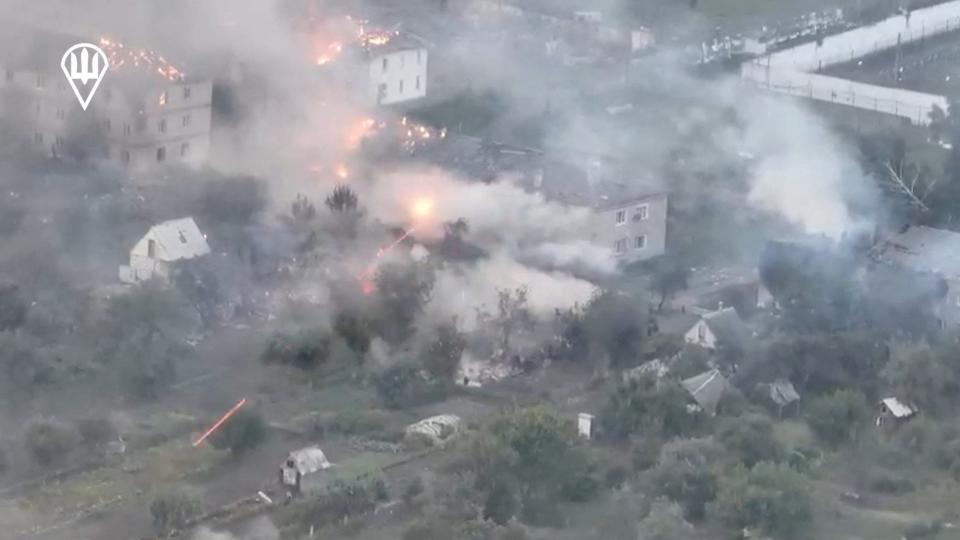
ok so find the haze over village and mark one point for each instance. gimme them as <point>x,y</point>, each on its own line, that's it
<point>479,270</point>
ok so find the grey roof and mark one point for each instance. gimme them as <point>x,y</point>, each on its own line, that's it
<point>727,326</point>
<point>781,392</point>
<point>309,460</point>
<point>655,368</point>
<point>924,249</point>
<point>707,389</point>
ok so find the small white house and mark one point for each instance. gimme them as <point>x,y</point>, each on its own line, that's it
<point>717,328</point>
<point>302,470</point>
<point>164,245</point>
<point>895,408</point>
<point>398,74</point>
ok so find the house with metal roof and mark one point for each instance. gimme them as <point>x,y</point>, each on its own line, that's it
<point>303,468</point>
<point>707,389</point>
<point>721,328</point>
<point>164,245</point>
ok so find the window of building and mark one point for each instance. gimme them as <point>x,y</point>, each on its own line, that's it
<point>400,88</point>
<point>184,149</point>
<point>125,157</point>
<point>418,58</point>
<point>620,246</point>
<point>41,81</point>
<point>106,125</point>
<point>38,138</point>
<point>186,120</point>
<point>641,213</point>
<point>151,248</point>
<point>621,217</point>
<point>58,141</point>
<point>403,60</point>
<point>161,153</point>
<point>418,82</point>
<point>640,242</point>
<point>163,98</point>
<point>9,75</point>
<point>163,125</point>
<point>126,129</point>
<point>186,92</point>
<point>61,114</point>
<point>383,65</point>
<point>701,332</point>
<point>381,92</point>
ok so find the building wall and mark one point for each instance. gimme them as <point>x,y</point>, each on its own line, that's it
<point>398,76</point>
<point>624,224</point>
<point>174,117</point>
<point>692,336</point>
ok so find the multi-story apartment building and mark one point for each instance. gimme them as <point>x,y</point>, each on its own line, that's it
<point>144,113</point>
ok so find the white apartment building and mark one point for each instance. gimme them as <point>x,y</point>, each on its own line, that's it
<point>398,74</point>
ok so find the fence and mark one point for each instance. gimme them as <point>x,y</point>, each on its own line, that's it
<point>915,106</point>
<point>865,40</point>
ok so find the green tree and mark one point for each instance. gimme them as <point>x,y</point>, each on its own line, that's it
<point>442,355</point>
<point>923,376</point>
<point>403,290</point>
<point>751,437</point>
<point>95,432</point>
<point>403,385</point>
<point>171,511</point>
<point>838,417</point>
<point>342,200</point>
<point>651,407</point>
<point>355,331</point>
<point>773,499</point>
<point>50,442</point>
<point>243,432</point>
<point>686,475</point>
<point>670,275</point>
<point>616,325</point>
<point>501,504</point>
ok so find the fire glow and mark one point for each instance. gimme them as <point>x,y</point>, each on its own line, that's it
<point>120,56</point>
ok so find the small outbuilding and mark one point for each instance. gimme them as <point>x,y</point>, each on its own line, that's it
<point>434,430</point>
<point>896,409</point>
<point>780,393</point>
<point>302,471</point>
<point>707,389</point>
<point>165,244</point>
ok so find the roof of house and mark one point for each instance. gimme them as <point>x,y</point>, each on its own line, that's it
<point>898,408</point>
<point>309,460</point>
<point>707,388</point>
<point>727,325</point>
<point>782,392</point>
<point>437,427</point>
<point>924,249</point>
<point>179,239</point>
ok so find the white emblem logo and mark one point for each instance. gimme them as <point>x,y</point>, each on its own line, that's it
<point>82,64</point>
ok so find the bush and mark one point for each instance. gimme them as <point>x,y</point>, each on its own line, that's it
<point>772,498</point>
<point>49,442</point>
<point>653,408</point>
<point>751,438</point>
<point>413,489</point>
<point>891,485</point>
<point>441,358</point>
<point>918,531</point>
<point>501,504</point>
<point>403,386</point>
<point>836,418</point>
<point>306,350</point>
<point>95,432</point>
<point>172,511</point>
<point>645,453</point>
<point>512,531</point>
<point>685,474</point>
<point>244,431</point>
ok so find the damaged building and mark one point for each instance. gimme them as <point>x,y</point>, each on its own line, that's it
<point>145,113</point>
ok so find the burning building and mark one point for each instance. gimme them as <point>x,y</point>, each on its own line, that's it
<point>397,72</point>
<point>146,112</point>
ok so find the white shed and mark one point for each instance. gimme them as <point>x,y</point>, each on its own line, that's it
<point>162,246</point>
<point>302,470</point>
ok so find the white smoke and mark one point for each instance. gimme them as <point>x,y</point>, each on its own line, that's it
<point>260,528</point>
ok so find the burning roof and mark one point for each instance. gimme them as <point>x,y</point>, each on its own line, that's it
<point>122,57</point>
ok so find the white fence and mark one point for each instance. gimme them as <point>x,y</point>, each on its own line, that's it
<point>915,106</point>
<point>859,42</point>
